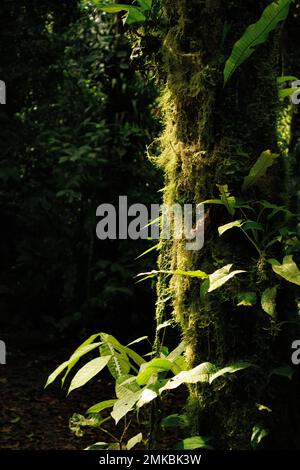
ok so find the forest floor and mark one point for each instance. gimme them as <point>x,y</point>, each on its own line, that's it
<point>34,418</point>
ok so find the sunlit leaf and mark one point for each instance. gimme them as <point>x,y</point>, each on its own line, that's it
<point>88,371</point>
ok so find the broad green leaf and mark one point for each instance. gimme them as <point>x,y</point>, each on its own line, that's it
<point>56,372</point>
<point>199,373</point>
<point>231,369</point>
<point>284,371</point>
<point>259,169</point>
<point>175,421</point>
<point>101,406</point>
<point>246,299</point>
<point>119,363</point>
<point>288,270</point>
<point>146,397</point>
<point>213,201</point>
<point>231,225</point>
<point>125,405</point>
<point>153,367</point>
<point>252,225</point>
<point>195,442</point>
<point>221,276</point>
<point>286,78</point>
<point>88,371</point>
<point>198,274</point>
<point>134,14</point>
<point>83,349</point>
<point>258,433</point>
<point>228,200</point>
<point>125,384</point>
<point>268,301</point>
<point>78,354</point>
<point>98,446</point>
<point>286,92</point>
<point>255,35</point>
<point>134,441</point>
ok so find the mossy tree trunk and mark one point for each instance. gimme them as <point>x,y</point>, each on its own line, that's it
<point>213,135</point>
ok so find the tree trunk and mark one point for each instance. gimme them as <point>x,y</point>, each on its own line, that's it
<point>213,135</point>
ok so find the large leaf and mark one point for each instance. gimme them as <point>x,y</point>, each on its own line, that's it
<point>195,442</point>
<point>205,373</point>
<point>221,276</point>
<point>231,225</point>
<point>125,405</point>
<point>175,421</point>
<point>83,349</point>
<point>101,406</point>
<point>198,274</point>
<point>259,169</point>
<point>153,367</point>
<point>88,371</point>
<point>134,441</point>
<point>288,270</point>
<point>119,363</point>
<point>255,35</point>
<point>231,369</point>
<point>134,14</point>
<point>226,198</point>
<point>268,301</point>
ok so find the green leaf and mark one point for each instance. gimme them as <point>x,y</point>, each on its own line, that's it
<point>255,35</point>
<point>221,276</point>
<point>259,169</point>
<point>138,340</point>
<point>134,441</point>
<point>125,405</point>
<point>231,225</point>
<point>268,301</point>
<point>286,92</point>
<point>101,406</point>
<point>146,397</point>
<point>119,363</point>
<point>153,367</point>
<point>98,446</point>
<point>231,369</point>
<point>246,299</point>
<point>228,200</point>
<point>195,442</point>
<point>175,421</point>
<point>204,373</point>
<point>78,354</point>
<point>286,78</point>
<point>198,274</point>
<point>83,349</point>
<point>155,247</point>
<point>252,225</point>
<point>258,433</point>
<point>134,14</point>
<point>88,371</point>
<point>284,371</point>
<point>288,270</point>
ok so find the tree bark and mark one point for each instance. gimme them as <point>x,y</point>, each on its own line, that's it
<point>213,135</point>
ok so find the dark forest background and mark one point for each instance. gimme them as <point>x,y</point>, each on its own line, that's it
<point>74,134</point>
